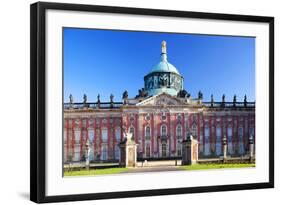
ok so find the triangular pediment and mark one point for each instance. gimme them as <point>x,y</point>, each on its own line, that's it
<point>159,100</point>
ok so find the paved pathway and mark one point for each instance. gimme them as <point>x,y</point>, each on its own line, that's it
<point>153,169</point>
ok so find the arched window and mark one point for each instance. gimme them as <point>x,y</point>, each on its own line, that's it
<point>179,131</point>
<point>118,134</point>
<point>194,130</point>
<point>147,132</point>
<point>132,130</point>
<point>104,134</point>
<point>164,130</point>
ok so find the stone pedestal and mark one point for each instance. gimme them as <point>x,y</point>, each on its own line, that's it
<point>189,151</point>
<point>128,152</point>
<point>251,149</point>
<point>87,155</point>
<point>224,142</point>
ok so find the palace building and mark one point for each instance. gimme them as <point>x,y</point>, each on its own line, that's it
<point>159,117</point>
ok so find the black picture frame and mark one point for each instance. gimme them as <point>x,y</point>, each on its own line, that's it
<point>38,101</point>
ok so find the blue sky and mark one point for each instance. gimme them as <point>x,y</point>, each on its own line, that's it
<point>105,61</point>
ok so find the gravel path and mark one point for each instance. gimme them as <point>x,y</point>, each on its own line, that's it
<point>153,169</point>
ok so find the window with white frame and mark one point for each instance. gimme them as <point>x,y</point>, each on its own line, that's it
<point>77,136</point>
<point>229,134</point>
<point>117,152</point>
<point>132,130</point>
<point>104,134</point>
<point>147,132</point>
<point>118,134</point>
<point>229,141</point>
<point>240,133</point>
<point>179,131</point>
<point>218,134</point>
<point>207,134</point>
<point>164,130</point>
<point>240,137</point>
<point>252,132</point>
<point>91,135</point>
<point>218,140</point>
<point>194,130</point>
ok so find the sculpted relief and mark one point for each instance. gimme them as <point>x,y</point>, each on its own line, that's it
<point>165,101</point>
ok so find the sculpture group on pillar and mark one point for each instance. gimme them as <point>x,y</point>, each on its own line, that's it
<point>189,150</point>
<point>128,151</point>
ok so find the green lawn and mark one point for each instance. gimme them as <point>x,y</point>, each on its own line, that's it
<point>215,166</point>
<point>94,172</point>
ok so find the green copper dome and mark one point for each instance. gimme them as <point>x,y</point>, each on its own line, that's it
<point>164,77</point>
<point>164,65</point>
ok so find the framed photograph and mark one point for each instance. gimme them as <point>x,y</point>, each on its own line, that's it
<point>129,102</point>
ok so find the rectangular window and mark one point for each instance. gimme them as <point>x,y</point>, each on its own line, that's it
<point>104,134</point>
<point>77,136</point>
<point>240,133</point>
<point>91,136</point>
<point>229,133</point>
<point>207,134</point>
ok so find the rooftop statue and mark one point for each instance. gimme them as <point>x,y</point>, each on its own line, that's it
<point>183,94</point>
<point>84,98</point>
<point>111,98</point>
<point>245,101</point>
<point>223,100</point>
<point>125,94</point>
<point>70,99</point>
<point>142,93</point>
<point>200,95</point>
<point>234,100</point>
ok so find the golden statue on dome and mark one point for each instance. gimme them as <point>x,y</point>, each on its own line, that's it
<point>164,47</point>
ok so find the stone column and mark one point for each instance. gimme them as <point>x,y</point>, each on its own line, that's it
<point>189,150</point>
<point>251,149</point>
<point>224,149</point>
<point>128,152</point>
